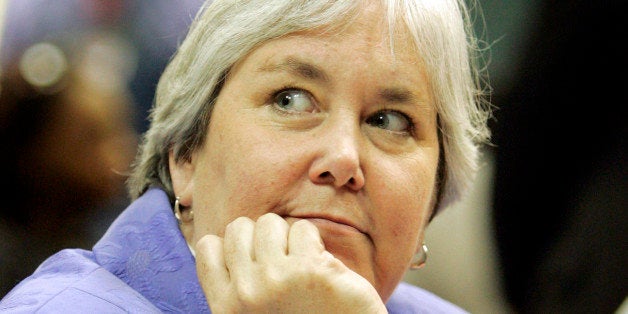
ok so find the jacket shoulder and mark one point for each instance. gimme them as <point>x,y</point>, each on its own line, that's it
<point>72,282</point>
<point>411,299</point>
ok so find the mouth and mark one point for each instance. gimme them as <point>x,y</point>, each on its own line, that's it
<point>333,225</point>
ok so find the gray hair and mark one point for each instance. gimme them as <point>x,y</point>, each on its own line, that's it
<point>225,31</point>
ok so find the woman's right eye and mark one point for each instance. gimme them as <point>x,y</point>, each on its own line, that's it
<point>295,100</point>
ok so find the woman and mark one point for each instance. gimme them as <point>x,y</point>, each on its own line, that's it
<point>303,146</point>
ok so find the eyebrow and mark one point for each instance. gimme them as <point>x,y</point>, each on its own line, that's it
<point>397,95</point>
<point>306,70</point>
<point>300,68</point>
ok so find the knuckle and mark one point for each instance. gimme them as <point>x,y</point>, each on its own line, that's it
<point>207,242</point>
<point>272,220</point>
<point>269,218</point>
<point>304,225</point>
<point>306,229</point>
<point>249,296</point>
<point>238,223</point>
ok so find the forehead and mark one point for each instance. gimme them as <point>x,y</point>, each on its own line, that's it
<point>359,57</point>
<point>366,44</point>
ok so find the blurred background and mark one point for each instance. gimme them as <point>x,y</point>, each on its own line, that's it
<point>542,230</point>
<point>77,81</point>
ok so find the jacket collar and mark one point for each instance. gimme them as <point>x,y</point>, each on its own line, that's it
<point>145,248</point>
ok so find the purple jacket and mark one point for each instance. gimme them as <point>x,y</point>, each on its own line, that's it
<point>143,265</point>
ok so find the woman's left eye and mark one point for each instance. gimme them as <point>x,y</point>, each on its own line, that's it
<point>294,100</point>
<point>391,120</point>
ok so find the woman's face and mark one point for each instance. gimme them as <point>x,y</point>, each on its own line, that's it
<point>331,128</point>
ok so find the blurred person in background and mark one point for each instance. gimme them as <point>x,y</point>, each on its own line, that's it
<point>66,126</point>
<point>561,185</point>
<point>148,31</point>
<point>105,88</point>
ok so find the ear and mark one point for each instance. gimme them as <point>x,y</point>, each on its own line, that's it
<point>182,176</point>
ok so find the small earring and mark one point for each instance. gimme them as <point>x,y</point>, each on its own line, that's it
<point>419,258</point>
<point>177,210</point>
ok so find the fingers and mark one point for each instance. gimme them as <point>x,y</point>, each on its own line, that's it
<point>304,239</point>
<point>270,241</point>
<point>271,266</point>
<point>238,245</point>
<point>248,244</point>
<point>210,265</point>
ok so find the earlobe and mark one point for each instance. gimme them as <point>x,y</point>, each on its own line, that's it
<point>181,174</point>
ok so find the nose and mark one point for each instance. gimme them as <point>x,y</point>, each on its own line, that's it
<point>338,161</point>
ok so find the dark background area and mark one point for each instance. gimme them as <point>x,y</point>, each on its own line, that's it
<point>560,185</point>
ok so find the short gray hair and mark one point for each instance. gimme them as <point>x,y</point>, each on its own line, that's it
<point>225,31</point>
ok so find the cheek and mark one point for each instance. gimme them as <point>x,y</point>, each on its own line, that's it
<point>403,204</point>
<point>401,211</point>
<point>243,172</point>
<point>258,167</point>
<point>403,200</point>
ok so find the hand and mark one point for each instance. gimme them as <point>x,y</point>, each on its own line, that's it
<point>269,266</point>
